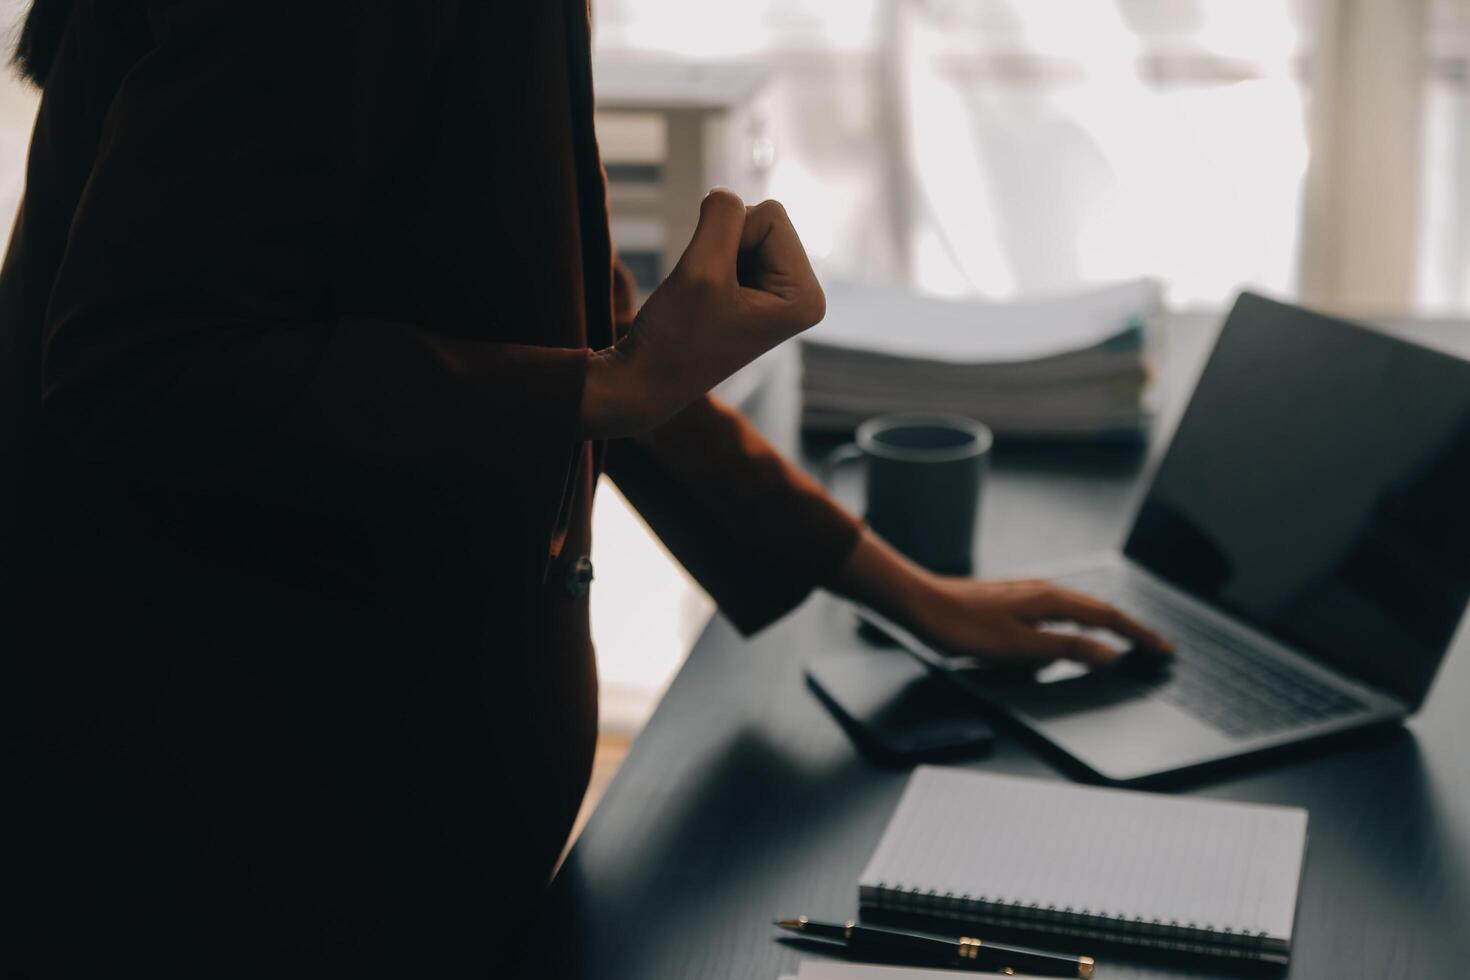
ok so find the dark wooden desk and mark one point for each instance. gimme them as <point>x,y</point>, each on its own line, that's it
<point>743,800</point>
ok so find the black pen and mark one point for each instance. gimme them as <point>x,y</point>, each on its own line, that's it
<point>922,948</point>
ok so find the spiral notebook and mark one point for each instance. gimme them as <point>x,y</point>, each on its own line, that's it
<point>1201,876</point>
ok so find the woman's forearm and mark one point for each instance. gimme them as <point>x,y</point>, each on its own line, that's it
<point>880,577</point>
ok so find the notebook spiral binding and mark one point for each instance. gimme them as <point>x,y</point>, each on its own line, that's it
<point>1087,923</point>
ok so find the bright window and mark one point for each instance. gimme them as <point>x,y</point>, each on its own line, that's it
<point>1004,147</point>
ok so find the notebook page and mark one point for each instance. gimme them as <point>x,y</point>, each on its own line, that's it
<point>1017,841</point>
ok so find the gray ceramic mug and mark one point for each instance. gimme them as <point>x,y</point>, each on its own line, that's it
<point>924,477</point>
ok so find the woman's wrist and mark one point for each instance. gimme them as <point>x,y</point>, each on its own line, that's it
<point>613,401</point>
<point>880,577</point>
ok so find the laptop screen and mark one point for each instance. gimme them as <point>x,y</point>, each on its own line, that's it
<point>1318,487</point>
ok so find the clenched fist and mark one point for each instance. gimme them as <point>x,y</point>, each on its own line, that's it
<point>742,286</point>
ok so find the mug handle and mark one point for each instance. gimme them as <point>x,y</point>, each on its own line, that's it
<point>836,459</point>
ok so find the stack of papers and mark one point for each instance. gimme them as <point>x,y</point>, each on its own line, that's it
<point>1070,366</point>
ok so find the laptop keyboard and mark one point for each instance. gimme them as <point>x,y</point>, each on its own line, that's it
<point>1217,677</point>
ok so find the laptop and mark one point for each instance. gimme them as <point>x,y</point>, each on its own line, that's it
<point>1305,541</point>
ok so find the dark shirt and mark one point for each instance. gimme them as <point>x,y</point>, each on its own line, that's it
<point>297,312</point>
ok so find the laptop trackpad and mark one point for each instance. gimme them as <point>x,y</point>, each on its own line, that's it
<point>1110,724</point>
<point>1073,689</point>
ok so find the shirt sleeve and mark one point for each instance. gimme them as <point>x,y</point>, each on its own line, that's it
<point>193,333</point>
<point>756,532</point>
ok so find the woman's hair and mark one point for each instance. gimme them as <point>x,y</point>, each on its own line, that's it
<point>40,36</point>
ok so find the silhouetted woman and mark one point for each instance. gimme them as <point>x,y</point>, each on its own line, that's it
<point>315,348</point>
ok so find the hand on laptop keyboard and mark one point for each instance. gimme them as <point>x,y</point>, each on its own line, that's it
<point>1009,622</point>
<point>1001,623</point>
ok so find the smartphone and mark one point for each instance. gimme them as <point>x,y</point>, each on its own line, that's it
<point>895,710</point>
